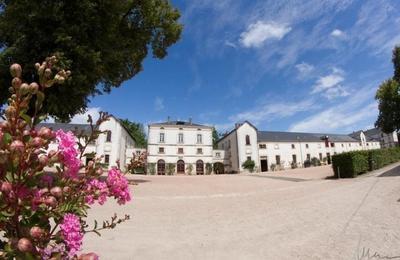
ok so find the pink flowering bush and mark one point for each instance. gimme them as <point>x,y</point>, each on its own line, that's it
<point>45,194</point>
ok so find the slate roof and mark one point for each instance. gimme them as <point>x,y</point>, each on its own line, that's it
<point>274,136</point>
<point>66,127</point>
<point>373,134</point>
<point>179,123</point>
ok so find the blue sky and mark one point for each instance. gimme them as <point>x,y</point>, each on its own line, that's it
<point>283,65</point>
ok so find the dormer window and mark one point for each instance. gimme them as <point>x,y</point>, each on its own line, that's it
<point>108,138</point>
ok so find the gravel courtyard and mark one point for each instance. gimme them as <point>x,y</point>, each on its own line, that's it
<point>284,215</point>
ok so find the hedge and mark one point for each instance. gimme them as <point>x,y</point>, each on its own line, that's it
<point>352,164</point>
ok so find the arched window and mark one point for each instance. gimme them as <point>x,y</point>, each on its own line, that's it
<point>161,167</point>
<point>199,167</point>
<point>247,140</point>
<point>180,166</point>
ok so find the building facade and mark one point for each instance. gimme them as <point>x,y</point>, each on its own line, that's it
<point>115,145</point>
<point>181,147</point>
<point>385,140</point>
<point>283,150</point>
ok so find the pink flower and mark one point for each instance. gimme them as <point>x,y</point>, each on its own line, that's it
<point>96,189</point>
<point>66,143</point>
<point>118,186</point>
<point>72,232</point>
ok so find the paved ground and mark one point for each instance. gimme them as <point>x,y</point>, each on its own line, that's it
<point>285,215</point>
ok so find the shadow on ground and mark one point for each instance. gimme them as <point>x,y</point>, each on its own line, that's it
<point>280,178</point>
<point>391,173</point>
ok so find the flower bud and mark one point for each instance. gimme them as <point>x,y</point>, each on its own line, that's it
<point>37,65</point>
<point>66,189</point>
<point>51,201</point>
<point>36,142</point>
<point>16,83</point>
<point>6,187</point>
<point>45,132</point>
<point>99,171</point>
<point>47,73</point>
<point>44,191</point>
<point>36,232</point>
<point>90,164</point>
<point>4,125</point>
<point>10,111</point>
<point>43,160</point>
<point>24,88</point>
<point>17,146</point>
<point>26,132</point>
<point>16,70</point>
<point>24,245</point>
<point>56,192</point>
<point>33,87</point>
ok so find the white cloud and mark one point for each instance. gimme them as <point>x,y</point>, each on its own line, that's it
<point>258,33</point>
<point>337,33</point>
<point>158,104</point>
<point>330,86</point>
<point>272,111</point>
<point>304,69</point>
<point>353,112</point>
<point>82,118</point>
<point>230,44</point>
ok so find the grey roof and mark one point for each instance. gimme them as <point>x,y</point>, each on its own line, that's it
<point>274,136</point>
<point>373,134</point>
<point>179,123</point>
<point>67,127</point>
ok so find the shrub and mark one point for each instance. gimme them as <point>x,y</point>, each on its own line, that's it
<point>350,164</point>
<point>218,168</point>
<point>189,168</point>
<point>293,165</point>
<point>249,165</point>
<point>307,163</point>
<point>315,161</point>
<point>151,168</point>
<point>43,212</point>
<point>273,167</point>
<point>208,168</point>
<point>170,168</point>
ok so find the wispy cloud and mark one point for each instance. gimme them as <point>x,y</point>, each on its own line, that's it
<point>304,69</point>
<point>337,33</point>
<point>158,104</point>
<point>329,84</point>
<point>354,111</point>
<point>260,32</point>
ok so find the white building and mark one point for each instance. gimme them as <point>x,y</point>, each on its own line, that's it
<point>283,150</point>
<point>114,145</point>
<point>179,147</point>
<point>386,140</point>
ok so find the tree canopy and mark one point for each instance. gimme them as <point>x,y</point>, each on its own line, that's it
<point>388,98</point>
<point>215,138</point>
<point>103,43</point>
<point>137,131</point>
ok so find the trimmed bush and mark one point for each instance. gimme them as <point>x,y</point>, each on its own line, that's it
<point>249,165</point>
<point>354,163</point>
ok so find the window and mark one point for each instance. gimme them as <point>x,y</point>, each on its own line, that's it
<point>262,146</point>
<point>248,158</point>
<point>308,156</point>
<point>276,146</point>
<point>138,152</point>
<point>332,144</point>
<point>342,145</point>
<point>278,159</point>
<point>349,145</point>
<point>307,146</point>
<point>229,144</point>
<point>326,143</point>
<point>180,138</point>
<point>160,149</point>
<point>294,158</point>
<point>320,156</point>
<point>319,146</point>
<point>199,151</point>
<point>199,138</point>
<point>108,138</point>
<point>162,137</point>
<point>367,144</point>
<point>180,150</point>
<point>218,155</point>
<point>107,159</point>
<point>247,140</point>
<point>293,146</point>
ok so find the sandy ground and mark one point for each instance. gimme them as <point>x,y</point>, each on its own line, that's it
<point>284,215</point>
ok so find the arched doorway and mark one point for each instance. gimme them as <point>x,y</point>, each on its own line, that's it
<point>199,167</point>
<point>180,167</point>
<point>219,168</point>
<point>161,167</point>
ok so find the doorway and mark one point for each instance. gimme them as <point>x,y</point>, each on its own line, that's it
<point>180,167</point>
<point>161,167</point>
<point>199,167</point>
<point>264,165</point>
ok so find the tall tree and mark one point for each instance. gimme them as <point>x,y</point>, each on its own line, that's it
<point>137,131</point>
<point>103,43</point>
<point>215,138</point>
<point>388,98</point>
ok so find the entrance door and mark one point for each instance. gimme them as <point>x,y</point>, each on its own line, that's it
<point>199,167</point>
<point>328,157</point>
<point>180,167</point>
<point>161,167</point>
<point>264,165</point>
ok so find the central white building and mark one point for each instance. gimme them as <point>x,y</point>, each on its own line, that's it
<point>181,147</point>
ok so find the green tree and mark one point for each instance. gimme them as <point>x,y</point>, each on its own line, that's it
<point>215,138</point>
<point>103,43</point>
<point>137,131</point>
<point>388,98</point>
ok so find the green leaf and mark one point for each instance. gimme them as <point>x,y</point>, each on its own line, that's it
<point>26,118</point>
<point>7,138</point>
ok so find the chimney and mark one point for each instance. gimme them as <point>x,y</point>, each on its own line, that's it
<point>237,125</point>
